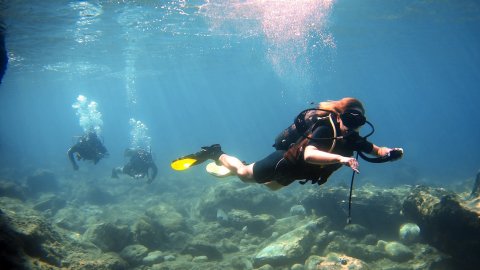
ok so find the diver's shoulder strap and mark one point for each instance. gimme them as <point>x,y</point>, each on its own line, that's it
<point>321,121</point>
<point>296,150</point>
<point>334,141</point>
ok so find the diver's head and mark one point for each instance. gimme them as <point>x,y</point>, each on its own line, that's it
<point>353,118</point>
<point>91,135</point>
<point>351,113</point>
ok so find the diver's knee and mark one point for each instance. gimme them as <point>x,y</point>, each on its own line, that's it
<point>245,174</point>
<point>242,172</point>
<point>245,171</point>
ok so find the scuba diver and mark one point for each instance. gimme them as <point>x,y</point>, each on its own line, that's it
<point>3,51</point>
<point>88,147</point>
<point>320,141</point>
<point>140,165</point>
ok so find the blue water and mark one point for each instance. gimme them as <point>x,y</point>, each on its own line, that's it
<point>237,72</point>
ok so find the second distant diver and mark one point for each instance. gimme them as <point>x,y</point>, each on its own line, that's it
<point>88,147</point>
<point>140,165</point>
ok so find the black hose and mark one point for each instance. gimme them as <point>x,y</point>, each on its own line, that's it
<point>349,218</point>
<point>391,156</point>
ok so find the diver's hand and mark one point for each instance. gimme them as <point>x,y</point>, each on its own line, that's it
<point>350,162</point>
<point>395,154</point>
<point>75,167</point>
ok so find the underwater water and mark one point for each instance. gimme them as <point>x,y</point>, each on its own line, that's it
<point>176,75</point>
<point>238,72</point>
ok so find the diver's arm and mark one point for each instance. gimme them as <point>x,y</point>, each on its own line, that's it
<point>383,151</point>
<point>380,151</point>
<point>313,155</point>
<point>70,153</point>
<point>154,172</point>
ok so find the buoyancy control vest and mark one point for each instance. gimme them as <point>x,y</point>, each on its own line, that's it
<point>303,125</point>
<point>296,137</point>
<point>308,120</point>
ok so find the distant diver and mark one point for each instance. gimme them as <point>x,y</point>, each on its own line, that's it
<point>88,147</point>
<point>3,52</point>
<point>317,144</point>
<point>140,165</point>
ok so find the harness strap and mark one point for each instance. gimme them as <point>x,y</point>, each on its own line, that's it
<point>334,141</point>
<point>334,133</point>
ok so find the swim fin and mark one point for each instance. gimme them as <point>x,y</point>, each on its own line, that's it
<point>183,163</point>
<point>218,170</point>
<point>208,152</point>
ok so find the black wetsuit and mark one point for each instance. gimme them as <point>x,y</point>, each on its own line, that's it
<point>3,51</point>
<point>139,164</point>
<point>88,147</point>
<point>277,167</point>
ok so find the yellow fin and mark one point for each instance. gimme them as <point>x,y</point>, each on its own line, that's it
<point>182,164</point>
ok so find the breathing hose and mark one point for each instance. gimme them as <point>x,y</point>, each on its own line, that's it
<point>392,155</point>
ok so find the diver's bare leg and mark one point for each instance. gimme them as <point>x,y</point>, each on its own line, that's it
<point>244,172</point>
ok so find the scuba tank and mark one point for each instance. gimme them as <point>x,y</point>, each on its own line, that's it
<point>304,123</point>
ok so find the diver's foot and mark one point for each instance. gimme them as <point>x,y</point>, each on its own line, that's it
<point>213,152</point>
<point>114,173</point>
<point>218,170</point>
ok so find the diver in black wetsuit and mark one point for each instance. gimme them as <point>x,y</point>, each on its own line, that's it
<point>3,51</point>
<point>88,147</point>
<point>314,156</point>
<point>140,165</point>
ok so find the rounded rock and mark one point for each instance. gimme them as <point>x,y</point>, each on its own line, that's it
<point>409,233</point>
<point>398,252</point>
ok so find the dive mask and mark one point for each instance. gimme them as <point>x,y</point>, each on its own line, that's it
<point>353,119</point>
